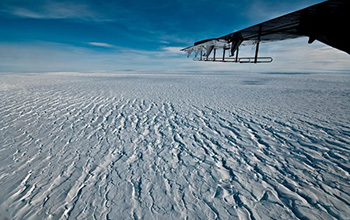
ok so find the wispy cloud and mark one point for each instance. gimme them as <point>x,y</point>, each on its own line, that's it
<point>101,44</point>
<point>173,50</point>
<point>54,10</point>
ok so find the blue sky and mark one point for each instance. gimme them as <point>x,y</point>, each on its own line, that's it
<point>133,35</point>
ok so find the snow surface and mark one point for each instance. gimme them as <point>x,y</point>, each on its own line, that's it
<point>179,146</point>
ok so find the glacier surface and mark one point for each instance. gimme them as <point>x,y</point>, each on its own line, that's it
<point>175,146</point>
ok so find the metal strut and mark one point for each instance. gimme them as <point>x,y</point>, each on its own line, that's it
<point>223,55</point>
<point>237,54</point>
<point>257,46</point>
<point>214,54</point>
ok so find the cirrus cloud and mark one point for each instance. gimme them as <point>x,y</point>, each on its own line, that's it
<point>101,44</point>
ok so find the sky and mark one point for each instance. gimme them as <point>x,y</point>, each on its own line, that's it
<point>134,35</point>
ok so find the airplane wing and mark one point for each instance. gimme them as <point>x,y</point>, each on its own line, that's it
<point>327,22</point>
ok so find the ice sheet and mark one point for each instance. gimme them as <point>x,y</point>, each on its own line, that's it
<point>179,146</point>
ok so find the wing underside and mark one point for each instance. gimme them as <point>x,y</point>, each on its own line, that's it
<point>326,22</point>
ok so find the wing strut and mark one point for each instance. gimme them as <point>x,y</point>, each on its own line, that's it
<point>257,46</point>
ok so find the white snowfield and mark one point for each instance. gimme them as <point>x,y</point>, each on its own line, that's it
<point>175,146</point>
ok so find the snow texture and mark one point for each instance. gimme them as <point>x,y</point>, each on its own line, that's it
<point>179,146</point>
